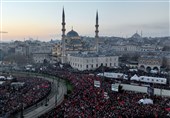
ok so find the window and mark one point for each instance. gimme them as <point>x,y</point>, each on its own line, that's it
<point>92,66</point>
<point>86,66</point>
<point>106,60</point>
<point>96,65</point>
<point>110,64</point>
<point>106,64</point>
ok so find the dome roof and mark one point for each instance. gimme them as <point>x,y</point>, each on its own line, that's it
<point>136,35</point>
<point>72,33</point>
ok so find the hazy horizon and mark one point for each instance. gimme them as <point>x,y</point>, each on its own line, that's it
<point>23,19</point>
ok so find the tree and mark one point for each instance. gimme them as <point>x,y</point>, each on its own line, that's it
<point>1,55</point>
<point>19,59</point>
<point>166,48</point>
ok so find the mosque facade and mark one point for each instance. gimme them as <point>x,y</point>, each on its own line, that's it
<point>75,53</point>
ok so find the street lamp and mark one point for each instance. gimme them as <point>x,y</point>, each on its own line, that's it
<point>46,101</point>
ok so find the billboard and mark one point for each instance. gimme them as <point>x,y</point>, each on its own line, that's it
<point>114,87</point>
<point>96,83</point>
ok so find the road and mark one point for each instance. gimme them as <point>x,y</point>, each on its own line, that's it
<point>41,107</point>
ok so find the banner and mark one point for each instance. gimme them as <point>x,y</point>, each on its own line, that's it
<point>150,90</point>
<point>106,95</point>
<point>96,83</point>
<point>114,87</point>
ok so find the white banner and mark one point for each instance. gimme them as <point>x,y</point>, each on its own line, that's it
<point>114,87</point>
<point>96,83</point>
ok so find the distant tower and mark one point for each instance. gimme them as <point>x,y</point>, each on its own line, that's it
<point>63,37</point>
<point>97,32</point>
<point>136,31</point>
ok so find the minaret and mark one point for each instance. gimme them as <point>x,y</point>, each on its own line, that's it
<point>97,32</point>
<point>63,36</point>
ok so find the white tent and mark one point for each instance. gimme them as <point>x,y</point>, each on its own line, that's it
<point>17,84</point>
<point>61,66</point>
<point>133,70</point>
<point>2,78</point>
<point>9,78</point>
<point>154,71</point>
<point>146,101</point>
<point>1,82</point>
<point>113,75</point>
<point>135,77</point>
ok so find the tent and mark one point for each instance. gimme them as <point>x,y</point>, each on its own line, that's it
<point>154,71</point>
<point>2,78</point>
<point>145,101</point>
<point>135,77</point>
<point>9,78</point>
<point>1,82</point>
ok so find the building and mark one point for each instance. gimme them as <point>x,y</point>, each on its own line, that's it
<point>127,48</point>
<point>78,55</point>
<point>167,61</point>
<point>41,57</point>
<point>148,63</point>
<point>148,48</point>
<point>20,50</point>
<point>92,61</point>
<point>72,42</point>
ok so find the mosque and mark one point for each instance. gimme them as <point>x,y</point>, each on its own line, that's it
<point>75,53</point>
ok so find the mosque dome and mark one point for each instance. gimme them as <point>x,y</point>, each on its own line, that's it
<point>136,35</point>
<point>72,33</point>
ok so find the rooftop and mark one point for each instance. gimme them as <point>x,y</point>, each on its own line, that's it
<point>89,55</point>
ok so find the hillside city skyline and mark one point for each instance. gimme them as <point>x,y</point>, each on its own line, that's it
<point>42,20</point>
<point>84,59</point>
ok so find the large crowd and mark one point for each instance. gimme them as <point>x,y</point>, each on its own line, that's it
<point>87,101</point>
<point>13,98</point>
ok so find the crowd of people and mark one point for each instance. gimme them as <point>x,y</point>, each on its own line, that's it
<point>88,101</point>
<point>14,97</point>
<point>85,101</point>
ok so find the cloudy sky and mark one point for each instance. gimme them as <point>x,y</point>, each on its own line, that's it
<point>42,19</point>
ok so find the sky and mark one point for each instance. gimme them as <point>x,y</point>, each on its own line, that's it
<point>40,19</point>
